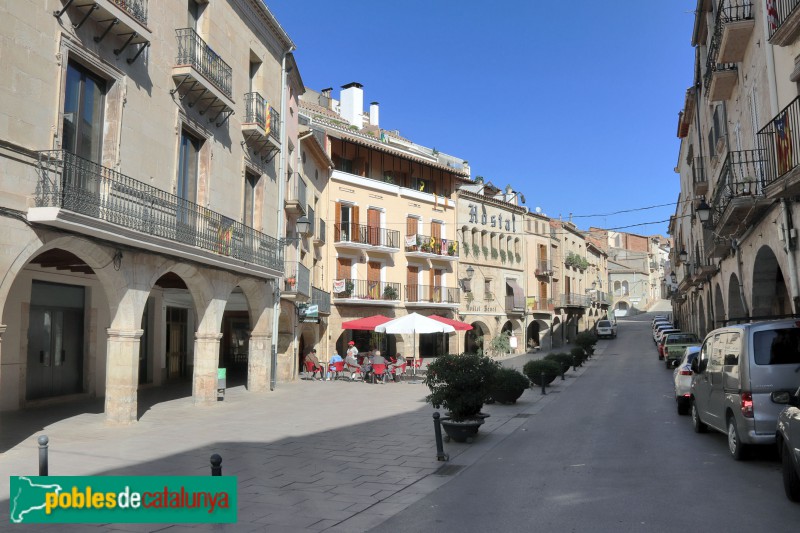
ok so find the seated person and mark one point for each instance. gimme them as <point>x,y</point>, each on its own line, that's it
<point>398,363</point>
<point>351,364</point>
<point>335,358</point>
<point>377,359</point>
<point>311,357</point>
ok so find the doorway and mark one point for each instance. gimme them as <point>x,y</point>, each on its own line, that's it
<point>177,350</point>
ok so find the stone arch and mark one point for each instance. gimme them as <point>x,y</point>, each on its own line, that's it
<point>471,337</point>
<point>719,306</point>
<point>770,296</point>
<point>736,309</point>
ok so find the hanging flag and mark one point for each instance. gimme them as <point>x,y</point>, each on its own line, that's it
<point>433,243</point>
<point>783,143</point>
<point>772,16</point>
<point>411,241</point>
<point>338,286</point>
<point>267,122</point>
<point>444,246</point>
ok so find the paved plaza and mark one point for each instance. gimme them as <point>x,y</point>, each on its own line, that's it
<point>309,456</point>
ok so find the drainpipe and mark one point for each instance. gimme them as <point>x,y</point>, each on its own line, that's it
<point>737,251</point>
<point>773,84</point>
<point>786,231</point>
<point>276,293</point>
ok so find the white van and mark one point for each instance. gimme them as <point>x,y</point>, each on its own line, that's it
<point>736,371</point>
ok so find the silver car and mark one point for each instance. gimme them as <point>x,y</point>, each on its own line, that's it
<point>682,379</point>
<point>734,375</point>
<point>606,328</point>
<point>788,440</point>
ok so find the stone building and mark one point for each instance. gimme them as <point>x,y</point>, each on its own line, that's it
<point>541,247</point>
<point>735,244</point>
<point>392,240</point>
<point>141,148</point>
<point>492,228</point>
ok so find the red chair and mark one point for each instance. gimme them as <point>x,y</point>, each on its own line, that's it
<point>379,371</point>
<point>417,364</point>
<point>336,369</point>
<point>355,372</point>
<point>399,371</point>
<point>312,369</point>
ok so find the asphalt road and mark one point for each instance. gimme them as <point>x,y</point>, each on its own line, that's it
<point>610,454</point>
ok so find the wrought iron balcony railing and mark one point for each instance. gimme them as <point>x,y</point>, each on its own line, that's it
<point>432,245</point>
<point>783,10</point>
<point>366,290</point>
<point>698,171</point>
<point>363,234</point>
<point>781,143</point>
<point>297,279</point>
<point>320,234</point>
<point>544,268</point>
<point>297,193</point>
<point>322,300</point>
<point>574,300</point>
<point>79,185</point>
<point>711,61</point>
<point>432,294</point>
<point>733,11</point>
<point>135,8</point>
<point>256,109</point>
<point>192,50</point>
<point>742,174</point>
<point>542,304</point>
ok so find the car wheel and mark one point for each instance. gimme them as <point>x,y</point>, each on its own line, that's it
<point>683,407</point>
<point>735,446</point>
<point>791,481</point>
<point>697,424</point>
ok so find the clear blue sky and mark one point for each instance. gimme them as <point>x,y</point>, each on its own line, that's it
<point>574,104</point>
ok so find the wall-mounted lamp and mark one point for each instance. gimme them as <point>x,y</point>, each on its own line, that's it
<point>673,277</point>
<point>303,227</point>
<point>683,255</point>
<point>466,283</point>
<point>703,210</point>
<point>470,272</point>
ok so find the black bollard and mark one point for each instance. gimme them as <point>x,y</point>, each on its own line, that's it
<point>561,365</point>
<point>216,465</point>
<point>544,386</point>
<point>43,440</point>
<point>574,363</point>
<point>437,430</point>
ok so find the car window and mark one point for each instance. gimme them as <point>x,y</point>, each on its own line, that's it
<point>777,346</point>
<point>732,349</point>
<point>716,355</point>
<point>604,324</point>
<point>682,338</point>
<point>691,357</point>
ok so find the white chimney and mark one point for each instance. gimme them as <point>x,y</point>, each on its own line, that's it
<point>352,104</point>
<point>374,113</point>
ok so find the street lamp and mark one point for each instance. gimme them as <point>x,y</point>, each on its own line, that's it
<point>303,227</point>
<point>673,277</point>
<point>683,255</point>
<point>703,210</point>
<point>466,283</point>
<point>470,272</point>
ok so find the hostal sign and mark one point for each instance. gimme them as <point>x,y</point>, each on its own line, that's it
<point>495,221</point>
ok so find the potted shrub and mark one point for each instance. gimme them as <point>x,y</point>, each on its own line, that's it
<point>503,256</point>
<point>586,340</point>
<point>563,359</point>
<point>476,250</point>
<point>389,293</point>
<point>452,247</point>
<point>485,252</point>
<point>461,384</point>
<point>534,370</point>
<point>508,385</point>
<point>494,253</point>
<point>578,354</point>
<point>348,288</point>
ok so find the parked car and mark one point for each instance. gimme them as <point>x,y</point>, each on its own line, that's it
<point>663,331</point>
<point>787,438</point>
<point>734,375</point>
<point>606,328</point>
<point>674,344</point>
<point>682,378</point>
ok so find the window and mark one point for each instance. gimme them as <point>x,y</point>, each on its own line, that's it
<point>83,113</point>
<point>193,14</point>
<point>345,165</point>
<point>187,167</point>
<point>250,184</point>
<point>777,347</point>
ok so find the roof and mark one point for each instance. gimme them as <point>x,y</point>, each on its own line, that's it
<point>306,135</point>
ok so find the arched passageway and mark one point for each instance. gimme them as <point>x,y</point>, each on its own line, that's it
<point>770,296</point>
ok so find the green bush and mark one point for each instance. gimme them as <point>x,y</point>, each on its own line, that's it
<point>586,340</point>
<point>508,385</point>
<point>534,369</point>
<point>460,383</point>
<point>562,358</point>
<point>579,354</point>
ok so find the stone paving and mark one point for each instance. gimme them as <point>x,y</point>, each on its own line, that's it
<point>309,456</point>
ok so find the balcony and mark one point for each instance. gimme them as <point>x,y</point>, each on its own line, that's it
<point>261,125</point>
<point>544,268</point>
<point>432,296</point>
<point>364,292</point>
<point>572,300</point>
<point>123,22</point>
<point>430,247</point>
<point>515,304</point>
<point>735,25</point>
<point>781,145</point>
<point>739,196</point>
<point>322,300</point>
<point>699,179</point>
<point>540,305</point>
<point>784,26</point>
<point>297,282</point>
<point>720,78</point>
<point>602,299</point>
<point>78,195</point>
<point>349,235</point>
<point>203,78</point>
<point>296,195</point>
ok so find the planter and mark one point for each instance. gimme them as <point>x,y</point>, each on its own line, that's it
<point>464,431</point>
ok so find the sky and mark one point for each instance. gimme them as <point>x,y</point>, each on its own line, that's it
<point>574,104</point>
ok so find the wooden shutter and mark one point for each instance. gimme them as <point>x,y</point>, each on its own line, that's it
<point>355,230</point>
<point>436,285</point>
<point>337,222</point>
<point>411,229</point>
<point>374,279</point>
<point>412,284</point>
<point>343,268</point>
<point>374,226</point>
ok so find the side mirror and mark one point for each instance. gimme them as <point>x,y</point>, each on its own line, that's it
<point>702,365</point>
<point>695,367</point>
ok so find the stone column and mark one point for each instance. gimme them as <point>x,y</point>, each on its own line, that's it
<point>122,376</point>
<point>2,330</point>
<point>206,361</point>
<point>258,363</point>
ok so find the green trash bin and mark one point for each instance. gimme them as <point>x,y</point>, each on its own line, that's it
<point>221,383</point>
